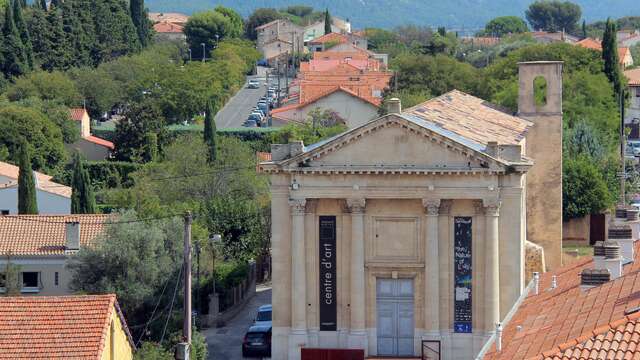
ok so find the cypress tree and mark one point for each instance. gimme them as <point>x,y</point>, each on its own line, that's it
<point>27,203</point>
<point>327,22</point>
<point>150,147</point>
<point>115,33</point>
<point>584,29</point>
<point>80,30</point>
<point>610,56</point>
<point>21,26</point>
<point>38,29</point>
<point>14,57</point>
<point>55,3</point>
<point>58,50</point>
<point>140,21</point>
<point>43,4</point>
<point>210,132</point>
<point>82,198</point>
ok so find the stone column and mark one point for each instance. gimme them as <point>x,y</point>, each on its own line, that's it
<point>431,268</point>
<point>298,273</point>
<point>357,296</point>
<point>492,264</point>
<point>445,252</point>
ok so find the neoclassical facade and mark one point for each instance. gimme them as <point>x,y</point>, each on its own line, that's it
<point>410,227</point>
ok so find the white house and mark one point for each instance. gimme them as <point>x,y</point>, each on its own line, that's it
<point>52,198</point>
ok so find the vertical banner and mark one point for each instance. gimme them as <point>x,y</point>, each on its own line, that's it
<point>328,298</point>
<point>462,275</point>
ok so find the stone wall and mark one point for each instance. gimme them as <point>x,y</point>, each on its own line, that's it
<point>534,260</point>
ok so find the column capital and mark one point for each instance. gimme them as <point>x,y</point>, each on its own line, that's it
<point>298,206</point>
<point>445,207</point>
<point>356,206</point>
<point>311,206</point>
<point>491,206</point>
<point>478,206</point>
<point>431,206</point>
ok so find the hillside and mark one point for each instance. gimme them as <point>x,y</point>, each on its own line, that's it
<point>458,14</point>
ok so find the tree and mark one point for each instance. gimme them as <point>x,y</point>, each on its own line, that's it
<point>207,27</point>
<point>131,132</point>
<point>584,29</point>
<point>505,25</point>
<point>260,17</point>
<point>140,20</point>
<point>235,19</point>
<point>79,26</point>
<point>42,4</point>
<point>210,132</point>
<point>584,190</point>
<point>38,30</point>
<point>150,147</point>
<point>327,22</point>
<point>14,56</point>
<point>53,86</point>
<point>27,202</point>
<point>115,32</point>
<point>10,279</point>
<point>299,10</point>
<point>610,57</point>
<point>56,53</point>
<point>45,138</point>
<point>21,26</point>
<point>82,199</point>
<point>554,15</point>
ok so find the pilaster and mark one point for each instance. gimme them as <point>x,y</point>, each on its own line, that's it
<point>431,269</point>
<point>357,335</point>
<point>492,264</point>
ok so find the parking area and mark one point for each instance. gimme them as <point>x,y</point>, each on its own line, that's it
<point>225,343</point>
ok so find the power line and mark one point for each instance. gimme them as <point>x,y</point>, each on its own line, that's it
<point>175,290</point>
<point>151,318</point>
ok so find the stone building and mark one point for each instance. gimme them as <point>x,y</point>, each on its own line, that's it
<point>410,227</point>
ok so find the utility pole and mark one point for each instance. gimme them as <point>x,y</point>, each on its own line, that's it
<point>278,72</point>
<point>623,143</point>
<point>183,348</point>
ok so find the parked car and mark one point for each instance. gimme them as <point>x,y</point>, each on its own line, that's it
<point>259,111</point>
<point>257,342</point>
<point>635,204</point>
<point>250,123</point>
<point>635,147</point>
<point>254,84</point>
<point>258,114</point>
<point>263,318</point>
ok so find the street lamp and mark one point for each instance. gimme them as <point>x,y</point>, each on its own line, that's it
<point>217,37</point>
<point>203,51</point>
<point>214,239</point>
<point>189,54</point>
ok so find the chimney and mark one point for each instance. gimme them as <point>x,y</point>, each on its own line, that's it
<point>598,255</point>
<point>285,151</point>
<point>623,235</point>
<point>536,283</point>
<point>621,213</point>
<point>492,149</point>
<point>594,277</point>
<point>498,336</point>
<point>394,106</point>
<point>72,236</point>
<point>613,258</point>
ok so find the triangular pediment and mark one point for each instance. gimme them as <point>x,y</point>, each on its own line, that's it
<point>392,142</point>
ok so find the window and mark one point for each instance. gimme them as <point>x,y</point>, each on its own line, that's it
<point>3,280</point>
<point>540,91</point>
<point>56,278</point>
<point>30,281</point>
<point>4,212</point>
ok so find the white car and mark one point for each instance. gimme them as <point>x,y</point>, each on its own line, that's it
<point>254,84</point>
<point>635,147</point>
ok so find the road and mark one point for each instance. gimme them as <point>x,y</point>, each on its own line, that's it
<point>225,343</point>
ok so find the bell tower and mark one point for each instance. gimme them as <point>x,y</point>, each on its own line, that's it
<point>540,101</point>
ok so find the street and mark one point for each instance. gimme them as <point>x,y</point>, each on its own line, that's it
<point>225,343</point>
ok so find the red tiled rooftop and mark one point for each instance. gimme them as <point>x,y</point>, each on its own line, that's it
<point>330,37</point>
<point>167,27</point>
<point>100,141</point>
<point>43,181</point>
<point>25,235</point>
<point>77,114</point>
<point>590,43</point>
<point>56,327</point>
<point>567,317</point>
<point>633,76</point>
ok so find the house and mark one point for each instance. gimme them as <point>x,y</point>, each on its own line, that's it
<point>172,18</point>
<point>413,226</point>
<point>167,31</point>
<point>347,105</point>
<point>628,38</point>
<point>546,37</point>
<point>585,310</point>
<point>327,41</point>
<point>590,43</point>
<point>52,198</point>
<point>41,245</point>
<point>481,41</point>
<point>366,84</point>
<point>92,147</point>
<point>64,327</point>
<point>632,114</point>
<point>350,48</point>
<point>625,58</point>
<point>279,37</point>
<point>316,29</point>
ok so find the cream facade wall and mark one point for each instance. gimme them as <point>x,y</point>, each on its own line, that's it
<point>48,203</point>
<point>353,110</point>
<point>91,151</point>
<point>394,223</point>
<point>47,267</point>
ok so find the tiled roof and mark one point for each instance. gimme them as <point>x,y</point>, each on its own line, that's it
<point>618,340</point>
<point>339,65</point>
<point>341,55</point>
<point>56,327</point>
<point>472,118</point>
<point>77,113</point>
<point>263,156</point>
<point>562,318</point>
<point>323,95</point>
<point>330,37</point>
<point>167,27</point>
<point>100,141</point>
<point>633,76</point>
<point>176,18</point>
<point>590,43</point>
<point>43,181</point>
<point>42,235</point>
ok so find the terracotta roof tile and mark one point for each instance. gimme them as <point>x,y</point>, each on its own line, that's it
<point>472,118</point>
<point>323,95</point>
<point>590,43</point>
<point>167,27</point>
<point>330,37</point>
<point>55,327</point>
<point>176,18</point>
<point>43,181</point>
<point>573,323</point>
<point>77,113</point>
<point>100,141</point>
<point>24,235</point>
